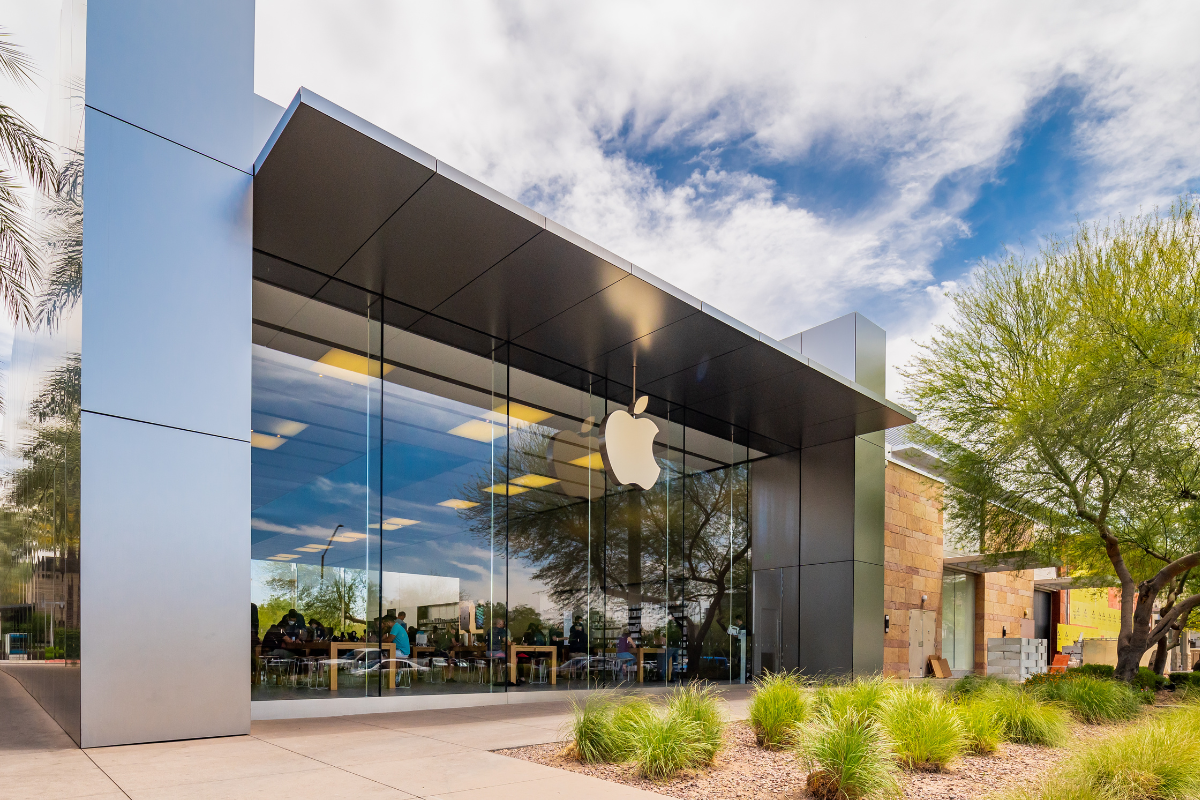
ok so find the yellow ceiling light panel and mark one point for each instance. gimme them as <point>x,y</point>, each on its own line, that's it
<point>283,556</point>
<point>534,481</point>
<point>354,537</point>
<point>265,441</point>
<point>395,523</point>
<point>458,504</point>
<point>591,461</point>
<point>518,416</point>
<point>352,362</point>
<point>308,549</point>
<point>479,430</point>
<point>346,537</point>
<point>506,489</point>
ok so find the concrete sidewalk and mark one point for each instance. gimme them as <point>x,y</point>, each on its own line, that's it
<point>422,754</point>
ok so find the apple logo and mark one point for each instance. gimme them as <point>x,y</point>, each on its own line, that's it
<point>627,447</point>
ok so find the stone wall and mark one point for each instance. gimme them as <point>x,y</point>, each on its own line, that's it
<point>1002,600</point>
<point>912,558</point>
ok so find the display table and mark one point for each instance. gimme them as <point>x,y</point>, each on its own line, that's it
<point>335,647</point>
<point>513,649</point>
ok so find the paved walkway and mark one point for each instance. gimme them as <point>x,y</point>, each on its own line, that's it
<point>417,754</point>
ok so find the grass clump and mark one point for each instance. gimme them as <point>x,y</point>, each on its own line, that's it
<point>698,704</point>
<point>982,727</point>
<point>779,705</point>
<point>1156,760</point>
<point>1094,700</point>
<point>667,744</point>
<point>864,695</point>
<point>1148,680</point>
<point>602,727</point>
<point>925,730</point>
<point>663,740</point>
<point>1025,719</point>
<point>848,757</point>
<point>971,685</point>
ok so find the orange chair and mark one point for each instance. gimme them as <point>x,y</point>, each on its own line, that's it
<point>1060,662</point>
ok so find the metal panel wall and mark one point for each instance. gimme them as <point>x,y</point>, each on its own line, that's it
<point>166,370</point>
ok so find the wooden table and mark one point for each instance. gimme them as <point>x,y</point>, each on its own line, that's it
<point>334,647</point>
<point>552,649</point>
<point>641,651</point>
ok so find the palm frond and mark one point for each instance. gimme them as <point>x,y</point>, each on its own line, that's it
<point>14,62</point>
<point>19,257</point>
<point>27,149</point>
<point>64,245</point>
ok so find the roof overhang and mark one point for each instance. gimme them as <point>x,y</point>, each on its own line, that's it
<point>1000,562</point>
<point>341,205</point>
<point>1079,582</point>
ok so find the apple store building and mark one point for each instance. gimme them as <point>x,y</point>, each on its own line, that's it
<point>358,433</point>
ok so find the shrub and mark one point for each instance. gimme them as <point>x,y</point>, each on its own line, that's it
<point>1157,760</point>
<point>1093,700</point>
<point>848,757</point>
<point>926,732</point>
<point>864,695</point>
<point>971,685</point>
<point>602,728</point>
<point>1179,679</point>
<point>664,745</point>
<point>699,704</point>
<point>1025,719</point>
<point>777,708</point>
<point>981,726</point>
<point>1093,670</point>
<point>1046,679</point>
<point>1148,679</point>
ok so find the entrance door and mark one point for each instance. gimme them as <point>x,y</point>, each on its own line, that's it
<point>921,640</point>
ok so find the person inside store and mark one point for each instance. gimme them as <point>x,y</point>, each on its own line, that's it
<point>292,624</point>
<point>273,643</point>
<point>400,620</point>
<point>317,631</point>
<point>577,640</point>
<point>398,633</point>
<point>625,646</point>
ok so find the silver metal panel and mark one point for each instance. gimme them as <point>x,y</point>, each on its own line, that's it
<point>165,515</point>
<point>789,618</point>
<point>488,193</point>
<point>167,280</point>
<point>267,116</point>
<point>184,71</point>
<point>831,344</point>
<point>870,355</point>
<point>730,321</point>
<point>765,620</point>
<point>827,503</point>
<point>775,511</point>
<point>869,490</point>
<point>868,618</point>
<point>588,246</point>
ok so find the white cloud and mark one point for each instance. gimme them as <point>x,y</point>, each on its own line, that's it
<point>555,103</point>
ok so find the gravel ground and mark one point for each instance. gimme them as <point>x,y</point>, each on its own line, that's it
<point>746,771</point>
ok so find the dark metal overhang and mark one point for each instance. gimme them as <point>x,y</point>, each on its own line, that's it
<point>341,205</point>
<point>1001,562</point>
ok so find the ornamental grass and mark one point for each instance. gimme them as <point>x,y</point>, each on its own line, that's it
<point>926,731</point>
<point>779,705</point>
<point>848,757</point>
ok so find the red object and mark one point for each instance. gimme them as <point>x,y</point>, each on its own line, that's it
<point>1060,662</point>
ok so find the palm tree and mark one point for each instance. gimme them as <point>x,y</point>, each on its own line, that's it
<point>26,154</point>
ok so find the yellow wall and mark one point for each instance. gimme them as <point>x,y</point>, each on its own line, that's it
<point>1095,613</point>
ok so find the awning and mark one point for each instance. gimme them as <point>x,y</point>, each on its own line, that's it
<point>341,205</point>
<point>1000,562</point>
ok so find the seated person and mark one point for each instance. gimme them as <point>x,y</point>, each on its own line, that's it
<point>317,631</point>
<point>497,639</point>
<point>625,646</point>
<point>273,641</point>
<point>533,635</point>
<point>291,623</point>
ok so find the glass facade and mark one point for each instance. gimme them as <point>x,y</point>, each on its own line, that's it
<point>39,520</point>
<point>958,620</point>
<point>431,514</point>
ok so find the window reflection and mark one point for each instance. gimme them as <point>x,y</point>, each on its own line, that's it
<point>453,511</point>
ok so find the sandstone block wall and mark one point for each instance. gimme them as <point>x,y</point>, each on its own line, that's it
<point>912,558</point>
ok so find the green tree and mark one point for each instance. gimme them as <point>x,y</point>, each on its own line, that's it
<point>26,156</point>
<point>1065,401</point>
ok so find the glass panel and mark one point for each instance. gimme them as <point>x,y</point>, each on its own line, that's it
<point>39,525</point>
<point>958,620</point>
<point>313,597</point>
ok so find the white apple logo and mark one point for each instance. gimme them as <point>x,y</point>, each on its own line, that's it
<point>627,448</point>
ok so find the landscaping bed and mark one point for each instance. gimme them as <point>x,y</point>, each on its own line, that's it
<point>744,771</point>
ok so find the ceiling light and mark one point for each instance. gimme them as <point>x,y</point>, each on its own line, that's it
<point>517,415</point>
<point>534,481</point>
<point>345,537</point>
<point>283,556</point>
<point>478,430</point>
<point>353,362</point>
<point>593,461</point>
<point>396,522</point>
<point>266,442</point>
<point>459,504</point>
<point>277,425</point>
<point>309,548</point>
<point>506,489</point>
